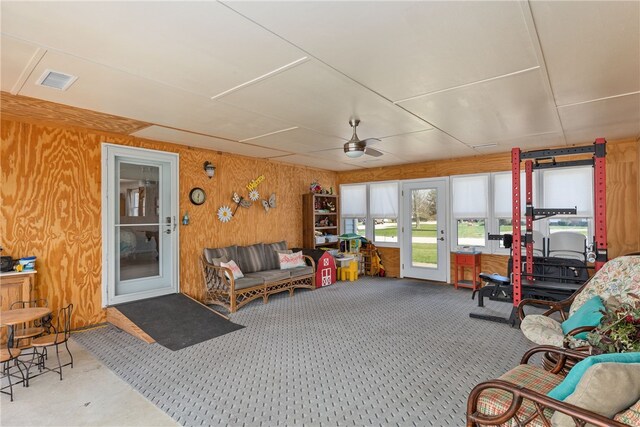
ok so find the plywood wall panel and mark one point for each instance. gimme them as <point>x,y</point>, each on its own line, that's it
<point>623,196</point>
<point>51,207</point>
<point>390,260</point>
<point>39,111</point>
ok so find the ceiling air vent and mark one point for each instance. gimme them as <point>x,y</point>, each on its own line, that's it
<point>56,80</point>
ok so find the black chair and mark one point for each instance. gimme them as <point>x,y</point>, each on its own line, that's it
<point>7,356</point>
<point>59,336</point>
<point>22,334</point>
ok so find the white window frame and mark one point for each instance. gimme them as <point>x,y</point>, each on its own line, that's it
<point>369,225</point>
<point>453,229</point>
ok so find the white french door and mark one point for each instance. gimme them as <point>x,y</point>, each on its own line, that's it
<point>139,223</point>
<point>424,247</point>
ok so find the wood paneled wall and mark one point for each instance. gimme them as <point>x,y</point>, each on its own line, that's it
<point>50,204</point>
<point>623,192</point>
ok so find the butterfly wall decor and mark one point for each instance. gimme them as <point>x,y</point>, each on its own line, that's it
<point>271,203</point>
<point>240,201</point>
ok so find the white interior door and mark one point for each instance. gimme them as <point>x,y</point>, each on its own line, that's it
<point>424,247</point>
<point>140,228</point>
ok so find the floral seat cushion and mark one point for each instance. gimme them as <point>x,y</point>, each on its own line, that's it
<point>619,277</point>
<point>496,402</point>
<point>542,330</point>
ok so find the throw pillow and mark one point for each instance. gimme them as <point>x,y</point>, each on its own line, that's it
<point>289,261</point>
<point>589,314</point>
<point>568,385</point>
<point>606,389</point>
<point>237,273</point>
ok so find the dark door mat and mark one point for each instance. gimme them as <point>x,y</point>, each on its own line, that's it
<point>176,321</point>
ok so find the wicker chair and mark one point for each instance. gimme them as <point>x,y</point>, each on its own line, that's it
<point>619,277</point>
<point>519,397</point>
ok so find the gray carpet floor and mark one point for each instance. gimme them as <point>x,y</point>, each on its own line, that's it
<point>377,351</point>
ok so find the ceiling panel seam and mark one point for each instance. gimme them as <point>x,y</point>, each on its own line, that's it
<point>29,68</point>
<point>599,99</point>
<point>530,23</point>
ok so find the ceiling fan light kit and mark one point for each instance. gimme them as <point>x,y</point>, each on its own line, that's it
<point>356,147</point>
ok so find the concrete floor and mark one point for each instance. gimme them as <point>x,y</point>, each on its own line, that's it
<point>89,395</point>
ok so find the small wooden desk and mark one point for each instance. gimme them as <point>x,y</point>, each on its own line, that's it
<point>17,286</point>
<point>470,260</point>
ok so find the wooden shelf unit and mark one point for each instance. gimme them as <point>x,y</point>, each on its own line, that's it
<point>315,210</point>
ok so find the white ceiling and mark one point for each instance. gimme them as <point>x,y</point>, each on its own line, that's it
<point>432,80</point>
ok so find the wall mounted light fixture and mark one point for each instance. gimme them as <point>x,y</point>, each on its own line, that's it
<point>209,169</point>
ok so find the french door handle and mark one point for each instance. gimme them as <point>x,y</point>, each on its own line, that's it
<point>175,224</point>
<point>441,238</point>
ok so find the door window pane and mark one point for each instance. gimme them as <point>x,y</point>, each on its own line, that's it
<point>424,248</point>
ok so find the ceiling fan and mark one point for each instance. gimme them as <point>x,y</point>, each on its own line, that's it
<point>356,147</point>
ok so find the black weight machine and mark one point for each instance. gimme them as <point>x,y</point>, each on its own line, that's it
<point>533,282</point>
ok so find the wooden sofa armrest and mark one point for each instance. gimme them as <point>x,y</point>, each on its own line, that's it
<point>554,306</point>
<point>561,355</point>
<point>311,261</point>
<point>540,401</point>
<point>215,277</point>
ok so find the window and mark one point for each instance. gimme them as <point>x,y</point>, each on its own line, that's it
<point>568,188</point>
<point>470,194</point>
<point>503,203</point>
<point>371,210</point>
<point>383,211</point>
<point>353,205</point>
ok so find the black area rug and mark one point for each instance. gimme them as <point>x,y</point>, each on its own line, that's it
<point>175,321</point>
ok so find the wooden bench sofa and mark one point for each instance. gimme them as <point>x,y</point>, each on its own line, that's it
<point>262,274</point>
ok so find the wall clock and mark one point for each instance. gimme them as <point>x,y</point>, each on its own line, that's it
<point>197,196</point>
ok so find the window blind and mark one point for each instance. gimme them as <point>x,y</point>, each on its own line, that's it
<point>470,195</point>
<point>353,201</point>
<point>503,194</point>
<point>383,200</point>
<point>568,188</point>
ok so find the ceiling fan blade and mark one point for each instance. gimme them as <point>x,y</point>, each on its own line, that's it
<point>370,141</point>
<point>372,152</point>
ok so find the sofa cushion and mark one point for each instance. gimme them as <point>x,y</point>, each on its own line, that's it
<point>270,276</point>
<point>606,389</point>
<point>230,252</point>
<point>589,314</point>
<point>496,402</point>
<point>248,282</point>
<point>251,258</point>
<point>271,256</point>
<point>301,271</point>
<point>542,330</point>
<point>631,416</point>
